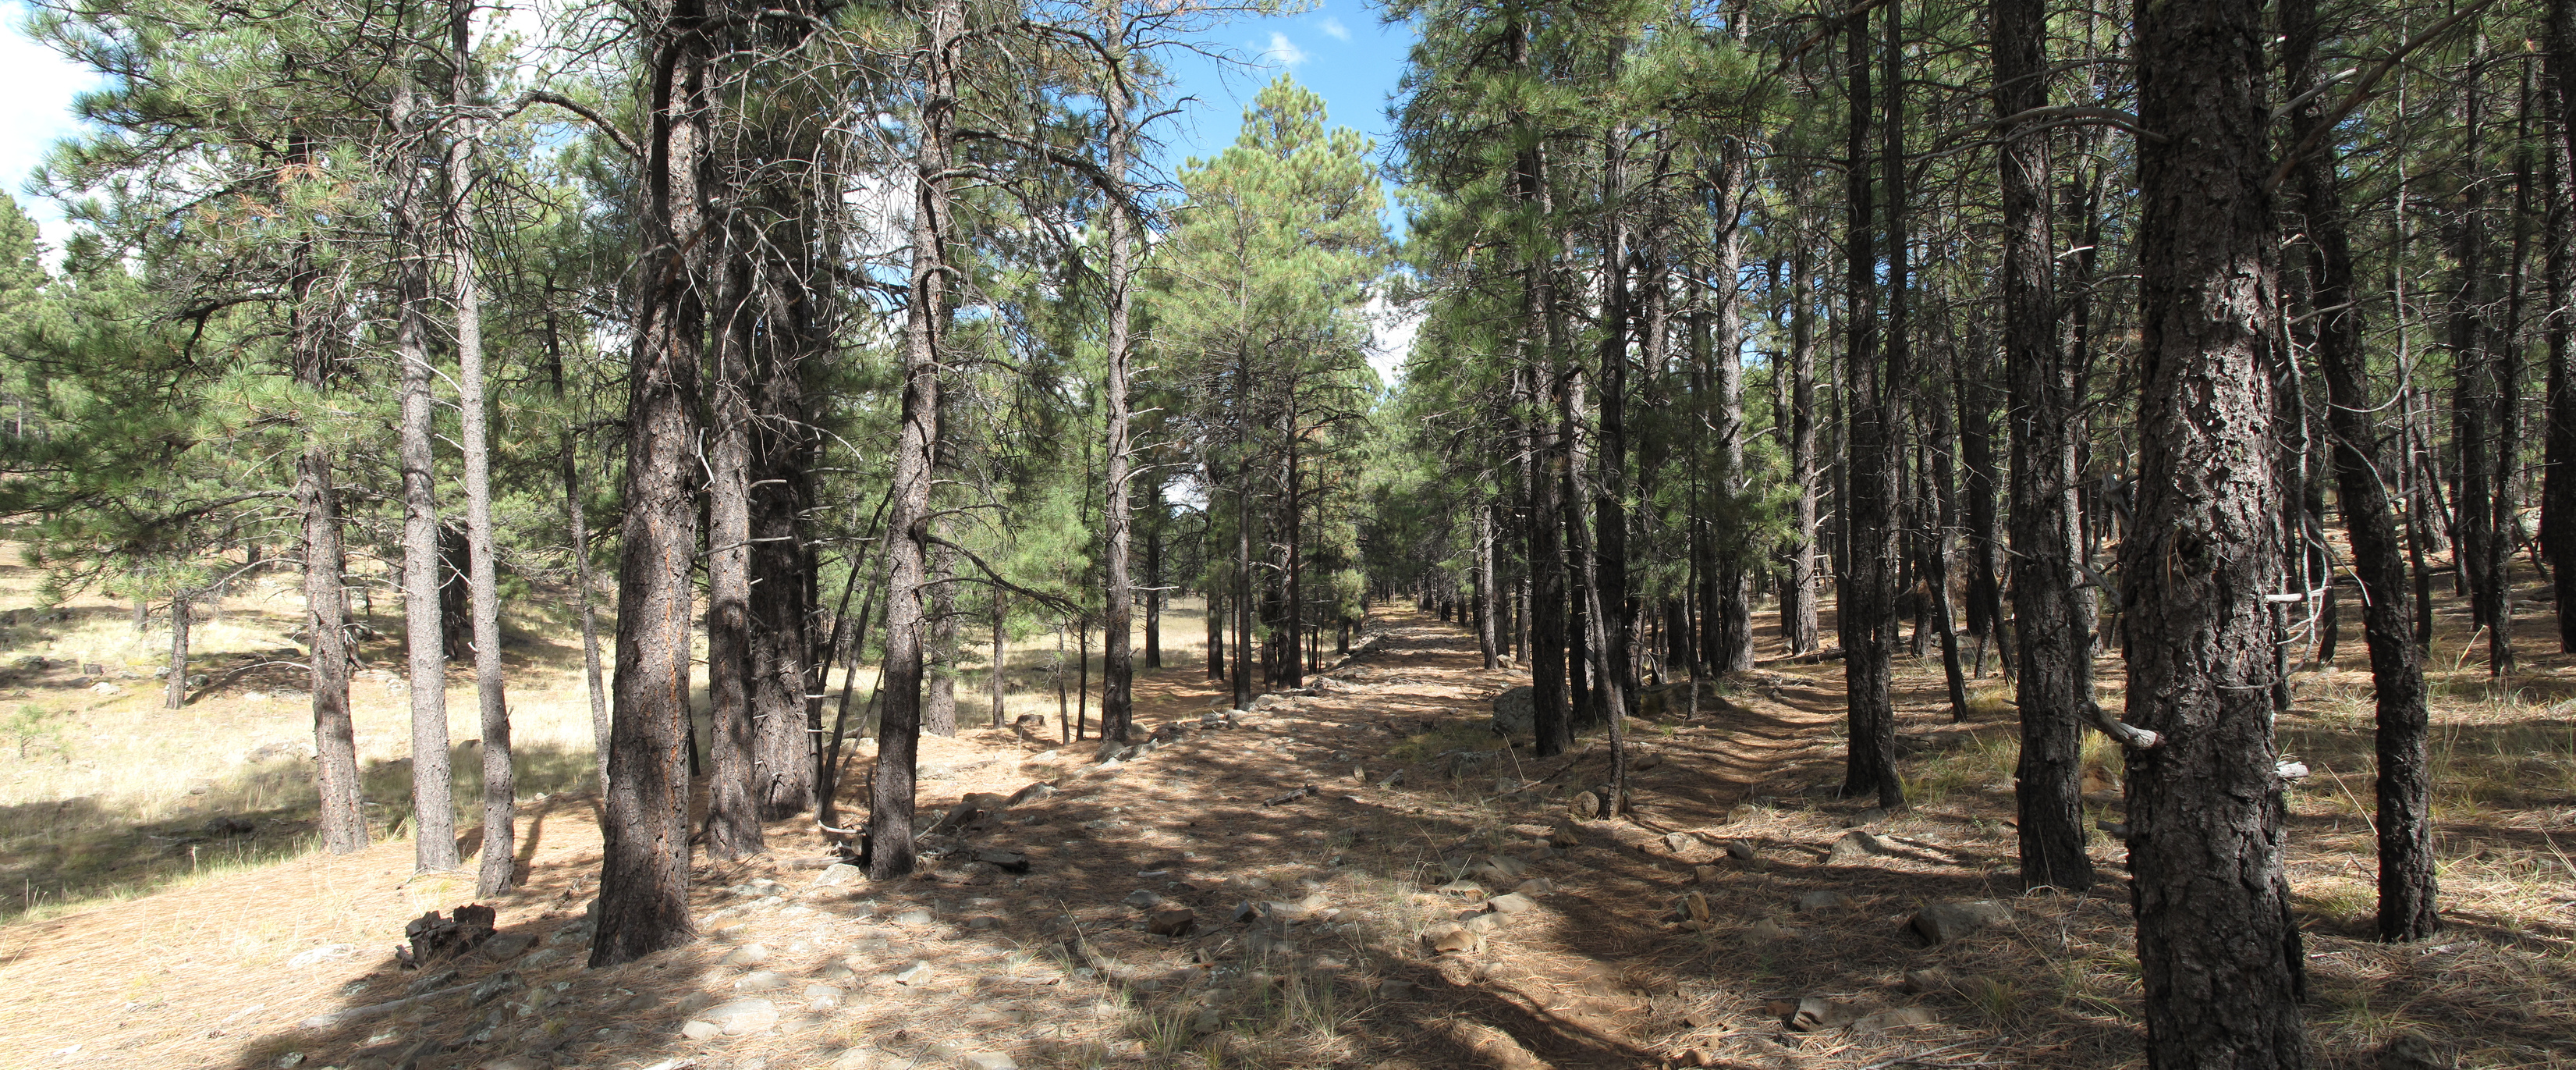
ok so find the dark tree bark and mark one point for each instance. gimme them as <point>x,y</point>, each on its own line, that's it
<point>2475,397</point>
<point>2217,949</point>
<point>1972,380</point>
<point>1799,592</point>
<point>1215,635</point>
<point>644,870</point>
<point>2051,630</point>
<point>786,658</point>
<point>891,800</point>
<point>1485,584</point>
<point>2406,864</point>
<point>1866,611</point>
<point>939,653</point>
<point>1609,573</point>
<point>2558,481</point>
<point>733,811</point>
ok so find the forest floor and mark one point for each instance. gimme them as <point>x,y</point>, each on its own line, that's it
<point>1690,935</point>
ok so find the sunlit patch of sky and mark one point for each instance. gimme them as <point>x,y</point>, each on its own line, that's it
<point>1341,50</point>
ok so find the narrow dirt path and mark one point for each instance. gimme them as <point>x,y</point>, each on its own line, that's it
<point>1321,843</point>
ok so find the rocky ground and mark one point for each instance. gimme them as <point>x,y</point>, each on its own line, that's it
<point>1357,875</point>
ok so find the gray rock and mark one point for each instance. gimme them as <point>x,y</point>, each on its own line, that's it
<point>1511,903</point>
<point>912,918</point>
<point>1678,842</point>
<point>761,981</point>
<point>836,875</point>
<point>506,946</point>
<point>1144,899</point>
<point>1515,712</point>
<point>1941,923</point>
<point>1855,847</point>
<point>915,975</point>
<point>697,1030</point>
<point>494,987</point>
<point>1536,886</point>
<point>746,955</point>
<point>1171,921</point>
<point>1740,850</point>
<point>741,1017</point>
<point>1928,979</point>
<point>542,957</point>
<point>985,1060</point>
<point>1814,902</point>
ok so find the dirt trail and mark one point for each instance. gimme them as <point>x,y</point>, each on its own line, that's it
<point>1055,968</point>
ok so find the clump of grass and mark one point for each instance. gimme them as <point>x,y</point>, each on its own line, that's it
<point>1982,759</point>
<point>1456,735</point>
<point>1997,999</point>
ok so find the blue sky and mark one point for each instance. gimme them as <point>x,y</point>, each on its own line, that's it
<point>1339,49</point>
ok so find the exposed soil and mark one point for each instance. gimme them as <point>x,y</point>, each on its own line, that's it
<point>1613,967</point>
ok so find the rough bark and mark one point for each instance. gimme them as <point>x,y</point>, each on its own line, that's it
<point>2558,481</point>
<point>1118,668</point>
<point>890,803</point>
<point>2406,871</point>
<point>732,824</point>
<point>1865,605</point>
<point>2218,952</point>
<point>644,870</point>
<point>500,786</point>
<point>432,779</point>
<point>1801,590</point>
<point>2051,631</point>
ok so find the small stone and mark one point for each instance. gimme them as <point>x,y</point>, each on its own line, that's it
<point>290,1060</point>
<point>1740,850</point>
<point>1006,861</point>
<point>1678,842</point>
<point>1928,979</point>
<point>761,981</point>
<point>1855,847</point>
<point>546,956</point>
<point>742,1016</point>
<point>506,946</point>
<point>1899,1018</point>
<point>1171,921</point>
<point>836,875</point>
<point>1817,1012</point>
<point>916,975</point>
<point>1510,903</point>
<point>1818,901</point>
<point>986,1060</point>
<point>1694,907</point>
<point>1535,886</point>
<point>697,1030</point>
<point>1941,923</point>
<point>1742,812</point>
<point>1588,806</point>
<point>746,955</point>
<point>512,1062</point>
<point>1703,874</point>
<point>1143,899</point>
<point>912,918</point>
<point>1564,834</point>
<point>1450,939</point>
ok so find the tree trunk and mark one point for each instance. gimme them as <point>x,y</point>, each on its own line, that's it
<point>786,664</point>
<point>175,696</point>
<point>733,812</point>
<point>891,801</point>
<point>2406,864</point>
<point>1001,656</point>
<point>578,520</point>
<point>1865,606</point>
<point>1608,577</point>
<point>500,789</point>
<point>2558,480</point>
<point>432,779</point>
<point>1798,598</point>
<point>2217,949</point>
<point>2051,632</point>
<point>1485,606</point>
<point>1118,669</point>
<point>644,871</point>
<point>1215,615</point>
<point>939,661</point>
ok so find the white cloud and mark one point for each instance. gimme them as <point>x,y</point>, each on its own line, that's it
<point>1283,52</point>
<point>42,83</point>
<point>1334,29</point>
<point>1391,331</point>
